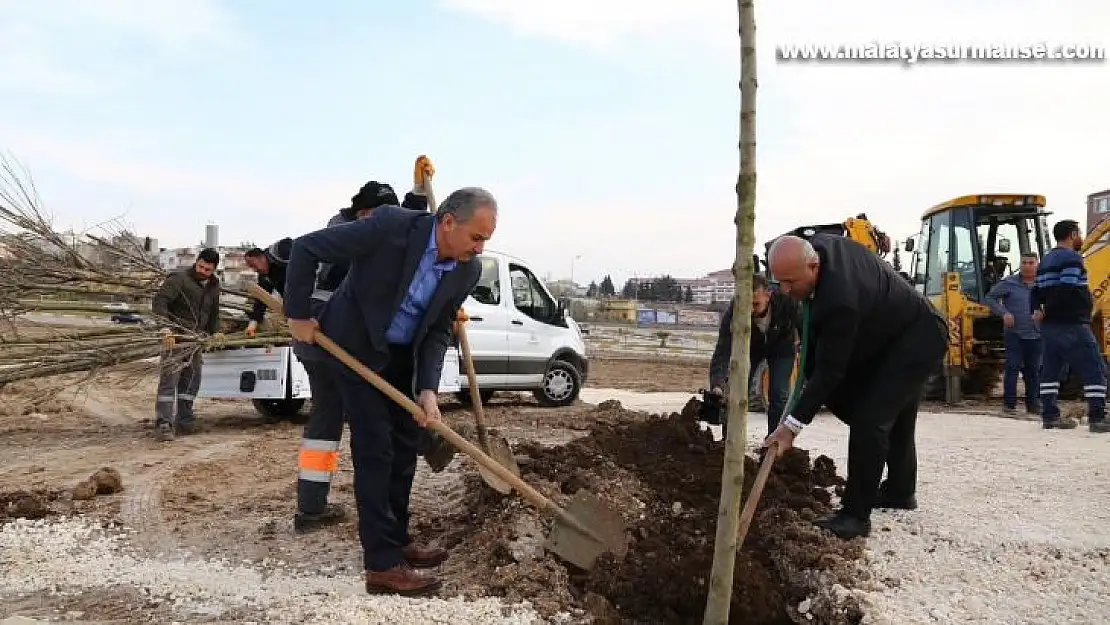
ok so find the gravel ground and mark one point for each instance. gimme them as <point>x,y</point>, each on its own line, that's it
<point>75,556</point>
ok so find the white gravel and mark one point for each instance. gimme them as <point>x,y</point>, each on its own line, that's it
<point>73,556</point>
<point>1013,524</point>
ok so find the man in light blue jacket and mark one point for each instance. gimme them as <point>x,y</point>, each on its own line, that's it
<point>1009,299</point>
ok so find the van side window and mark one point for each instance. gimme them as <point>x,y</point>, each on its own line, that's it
<point>529,297</point>
<point>488,289</point>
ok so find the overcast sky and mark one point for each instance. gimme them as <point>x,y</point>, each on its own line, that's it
<point>607,129</point>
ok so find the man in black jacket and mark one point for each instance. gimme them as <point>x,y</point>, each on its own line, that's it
<point>270,265</point>
<point>319,453</point>
<point>775,325</point>
<point>874,342</point>
<point>190,299</point>
<point>409,274</point>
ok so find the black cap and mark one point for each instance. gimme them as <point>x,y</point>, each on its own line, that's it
<point>374,194</point>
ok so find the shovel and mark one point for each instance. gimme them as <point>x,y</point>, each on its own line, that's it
<point>579,535</point>
<point>772,450</point>
<point>495,447</point>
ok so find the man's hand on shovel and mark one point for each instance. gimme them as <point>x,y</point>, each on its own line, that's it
<point>429,402</point>
<point>303,330</point>
<point>783,436</point>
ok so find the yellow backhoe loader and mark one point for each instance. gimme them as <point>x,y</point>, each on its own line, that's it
<point>967,245</point>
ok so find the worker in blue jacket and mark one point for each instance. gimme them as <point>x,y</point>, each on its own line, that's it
<point>1061,304</point>
<point>1009,299</point>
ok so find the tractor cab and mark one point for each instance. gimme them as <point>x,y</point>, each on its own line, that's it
<point>979,237</point>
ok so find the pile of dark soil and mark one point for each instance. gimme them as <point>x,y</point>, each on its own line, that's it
<point>29,504</point>
<point>664,475</point>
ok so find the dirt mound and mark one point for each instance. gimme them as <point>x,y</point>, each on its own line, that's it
<point>29,504</point>
<point>664,475</point>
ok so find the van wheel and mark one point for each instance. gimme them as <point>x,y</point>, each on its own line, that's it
<point>275,410</point>
<point>561,385</point>
<point>484,394</point>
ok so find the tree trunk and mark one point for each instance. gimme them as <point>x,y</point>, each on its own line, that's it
<point>732,475</point>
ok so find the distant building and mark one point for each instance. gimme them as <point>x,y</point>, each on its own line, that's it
<point>717,286</point>
<point>1098,207</point>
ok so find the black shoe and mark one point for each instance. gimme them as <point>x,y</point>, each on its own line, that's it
<point>1099,427</point>
<point>888,501</point>
<point>306,522</point>
<point>186,427</point>
<point>163,431</point>
<point>845,526</point>
<point>1059,424</point>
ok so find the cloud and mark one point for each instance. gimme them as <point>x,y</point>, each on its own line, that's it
<point>73,47</point>
<point>841,138</point>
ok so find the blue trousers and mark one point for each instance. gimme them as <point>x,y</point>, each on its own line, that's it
<point>1022,356</point>
<point>1075,345</point>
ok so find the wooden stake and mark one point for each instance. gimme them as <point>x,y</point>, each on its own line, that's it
<point>719,599</point>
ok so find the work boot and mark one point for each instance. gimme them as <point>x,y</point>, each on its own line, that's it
<point>423,557</point>
<point>187,427</point>
<point>1033,408</point>
<point>845,526</point>
<point>887,501</point>
<point>1009,411</point>
<point>1099,427</point>
<point>163,431</point>
<point>304,522</point>
<point>401,580</point>
<point>1060,424</point>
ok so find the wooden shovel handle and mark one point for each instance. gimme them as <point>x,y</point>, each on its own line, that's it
<point>529,493</point>
<point>757,490</point>
<point>475,393</point>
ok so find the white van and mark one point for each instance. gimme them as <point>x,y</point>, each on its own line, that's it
<point>521,339</point>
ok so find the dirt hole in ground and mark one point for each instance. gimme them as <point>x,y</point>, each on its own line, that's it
<point>664,475</point>
<point>29,504</point>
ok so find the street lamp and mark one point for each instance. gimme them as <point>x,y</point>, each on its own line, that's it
<point>572,260</point>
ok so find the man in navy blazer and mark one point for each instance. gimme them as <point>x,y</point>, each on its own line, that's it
<point>409,274</point>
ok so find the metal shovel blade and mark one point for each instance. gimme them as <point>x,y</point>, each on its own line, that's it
<point>497,448</point>
<point>579,548</point>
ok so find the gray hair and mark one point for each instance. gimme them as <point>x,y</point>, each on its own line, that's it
<point>464,202</point>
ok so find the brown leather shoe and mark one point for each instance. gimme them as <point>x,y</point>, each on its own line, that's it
<point>401,580</point>
<point>423,557</point>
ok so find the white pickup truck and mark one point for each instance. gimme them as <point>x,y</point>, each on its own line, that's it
<point>521,339</point>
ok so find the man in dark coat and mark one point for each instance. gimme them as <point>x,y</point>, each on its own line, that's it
<point>874,342</point>
<point>409,274</point>
<point>775,325</point>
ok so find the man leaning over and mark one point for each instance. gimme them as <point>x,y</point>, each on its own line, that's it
<point>409,273</point>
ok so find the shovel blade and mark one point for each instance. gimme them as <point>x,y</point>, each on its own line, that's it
<point>497,447</point>
<point>581,549</point>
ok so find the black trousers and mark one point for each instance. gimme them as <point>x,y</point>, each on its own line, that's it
<point>319,453</point>
<point>879,404</point>
<point>385,442</point>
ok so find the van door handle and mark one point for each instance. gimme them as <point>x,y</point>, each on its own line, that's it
<point>475,318</point>
<point>517,322</point>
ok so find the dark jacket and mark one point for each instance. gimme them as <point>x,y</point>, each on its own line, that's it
<point>186,302</point>
<point>383,250</point>
<point>277,255</point>
<point>778,342</point>
<point>329,275</point>
<point>1061,288</point>
<point>859,307</point>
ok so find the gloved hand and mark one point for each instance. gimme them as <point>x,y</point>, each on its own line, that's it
<point>167,338</point>
<point>422,172</point>
<point>252,329</point>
